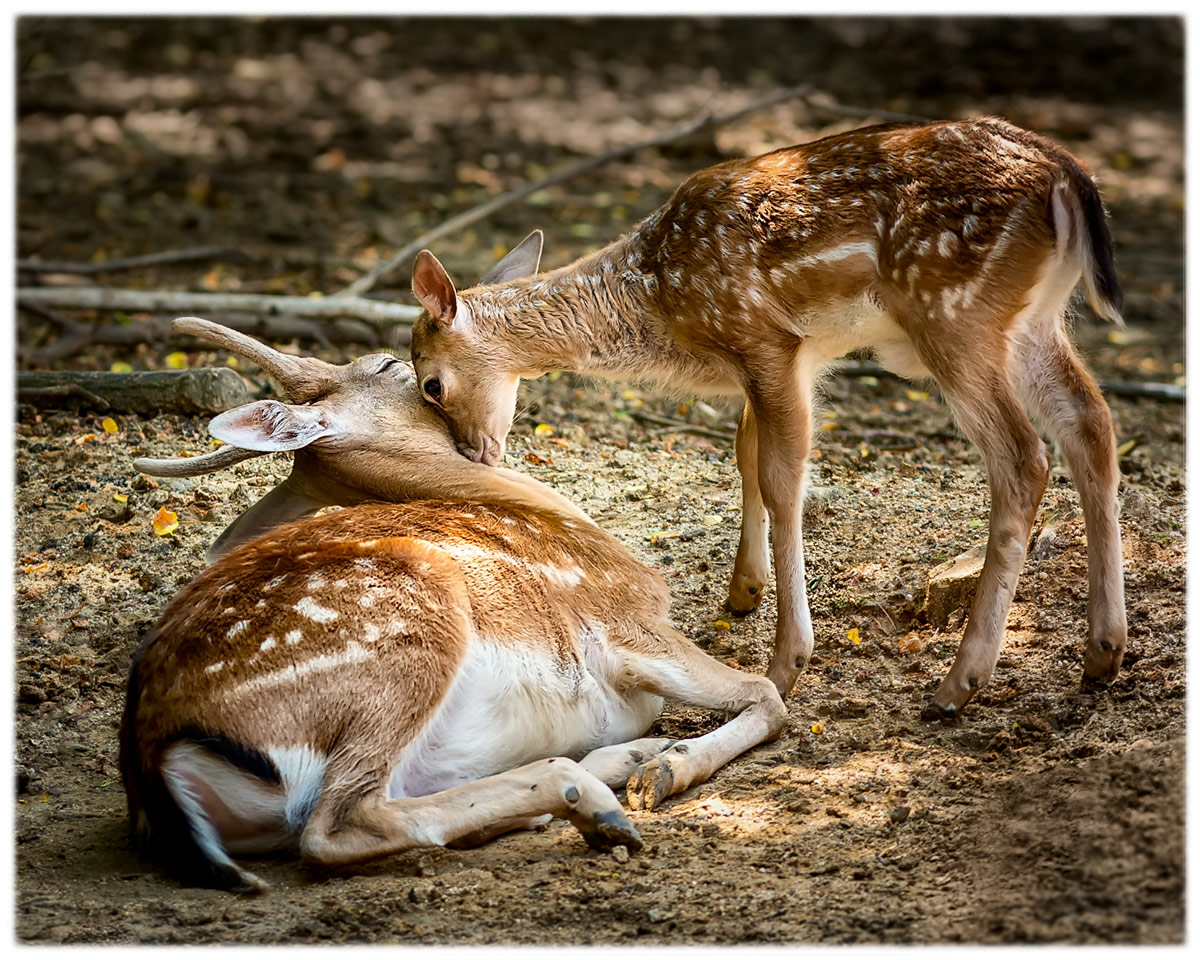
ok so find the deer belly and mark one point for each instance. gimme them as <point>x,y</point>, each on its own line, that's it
<point>513,705</point>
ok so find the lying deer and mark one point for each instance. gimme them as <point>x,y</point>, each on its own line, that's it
<point>951,249</point>
<point>407,674</point>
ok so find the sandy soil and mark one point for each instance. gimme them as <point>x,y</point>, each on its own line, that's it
<point>1048,813</point>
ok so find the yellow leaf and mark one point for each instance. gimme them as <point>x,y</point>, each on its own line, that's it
<point>543,430</point>
<point>723,625</point>
<point>1128,447</point>
<point>176,360</point>
<point>231,362</point>
<point>711,519</point>
<point>121,497</point>
<point>817,727</point>
<point>165,522</point>
<point>109,425</point>
<point>916,395</point>
<point>121,367</point>
<point>853,635</point>
<point>830,425</point>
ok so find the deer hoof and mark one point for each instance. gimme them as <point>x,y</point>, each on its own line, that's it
<point>648,785</point>
<point>610,828</point>
<point>1101,666</point>
<point>935,711</point>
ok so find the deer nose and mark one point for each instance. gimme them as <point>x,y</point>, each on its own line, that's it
<point>491,451</point>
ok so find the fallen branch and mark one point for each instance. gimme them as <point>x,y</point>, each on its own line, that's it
<point>467,217</point>
<point>176,302</point>
<point>1166,392</point>
<point>131,263</point>
<point>203,390</point>
<point>78,336</point>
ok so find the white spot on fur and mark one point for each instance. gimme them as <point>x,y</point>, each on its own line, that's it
<point>352,653</point>
<point>308,607</point>
<point>293,637</point>
<point>214,667</point>
<point>267,644</point>
<point>236,629</point>
<point>274,582</point>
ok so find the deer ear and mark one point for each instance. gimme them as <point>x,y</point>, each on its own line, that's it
<point>521,261</point>
<point>270,426</point>
<point>434,289</point>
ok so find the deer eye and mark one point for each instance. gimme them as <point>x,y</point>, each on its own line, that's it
<point>432,388</point>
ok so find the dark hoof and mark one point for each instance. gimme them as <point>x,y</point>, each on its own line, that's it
<point>935,711</point>
<point>729,608</point>
<point>611,829</point>
<point>1100,682</point>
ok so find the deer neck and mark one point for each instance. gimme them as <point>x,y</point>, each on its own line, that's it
<point>369,474</point>
<point>596,316</point>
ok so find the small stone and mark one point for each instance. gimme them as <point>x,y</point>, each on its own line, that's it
<point>899,814</point>
<point>620,853</point>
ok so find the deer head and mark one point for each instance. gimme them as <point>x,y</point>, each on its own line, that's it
<point>358,431</point>
<point>476,397</point>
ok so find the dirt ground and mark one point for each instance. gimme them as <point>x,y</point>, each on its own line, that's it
<point>1047,814</point>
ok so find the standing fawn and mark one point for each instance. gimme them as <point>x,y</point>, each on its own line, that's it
<point>406,674</point>
<point>950,249</point>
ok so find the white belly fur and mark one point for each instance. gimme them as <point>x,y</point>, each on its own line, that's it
<point>512,705</point>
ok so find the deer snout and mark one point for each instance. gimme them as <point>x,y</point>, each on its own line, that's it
<point>486,450</point>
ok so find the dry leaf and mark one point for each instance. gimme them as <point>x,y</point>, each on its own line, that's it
<point>853,635</point>
<point>176,360</point>
<point>109,425</point>
<point>543,430</point>
<point>911,643</point>
<point>121,367</point>
<point>817,727</point>
<point>723,625</point>
<point>165,522</point>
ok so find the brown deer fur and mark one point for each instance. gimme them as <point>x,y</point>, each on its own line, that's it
<point>396,675</point>
<point>950,249</point>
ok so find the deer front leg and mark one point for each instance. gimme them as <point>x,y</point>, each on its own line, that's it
<point>752,568</point>
<point>782,412</point>
<point>612,765</point>
<point>346,830</point>
<point>684,673</point>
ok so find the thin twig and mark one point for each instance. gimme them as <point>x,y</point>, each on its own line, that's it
<point>1166,392</point>
<point>681,426</point>
<point>177,302</point>
<point>708,121</point>
<point>188,255</point>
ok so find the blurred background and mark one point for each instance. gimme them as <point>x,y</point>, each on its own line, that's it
<point>311,148</point>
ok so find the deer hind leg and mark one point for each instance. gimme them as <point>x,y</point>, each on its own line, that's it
<point>1066,402</point>
<point>347,829</point>
<point>1018,468</point>
<point>685,674</point>
<point>752,568</point>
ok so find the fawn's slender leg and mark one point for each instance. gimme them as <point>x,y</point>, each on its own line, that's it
<point>987,410</point>
<point>780,395</point>
<point>687,675</point>
<point>346,827</point>
<point>752,568</point>
<point>1066,401</point>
